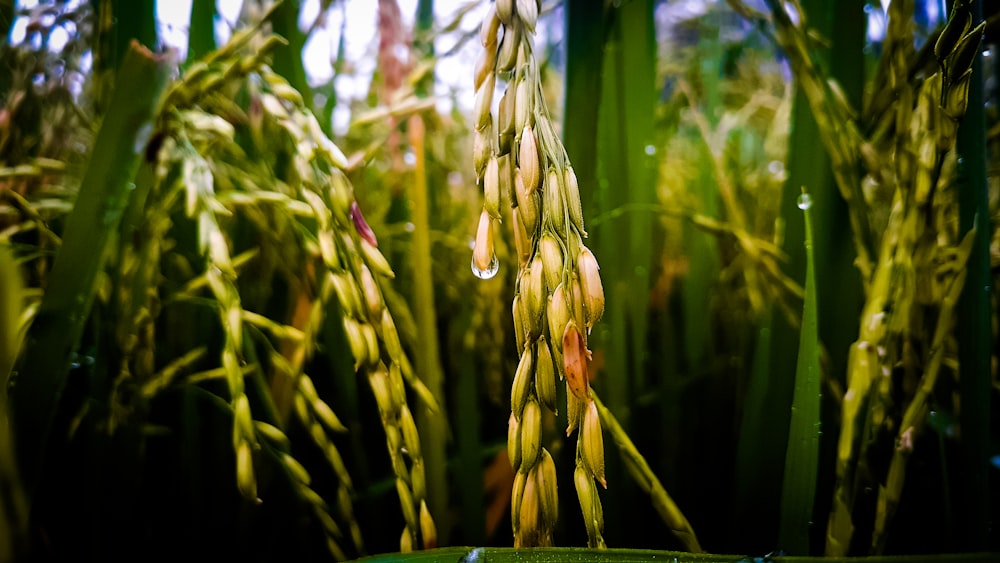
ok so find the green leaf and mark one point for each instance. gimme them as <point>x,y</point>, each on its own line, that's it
<point>802,456</point>
<point>104,194</point>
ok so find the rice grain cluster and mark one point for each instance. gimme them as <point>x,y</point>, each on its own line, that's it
<point>559,295</point>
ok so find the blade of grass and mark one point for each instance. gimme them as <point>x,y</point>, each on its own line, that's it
<point>974,322</point>
<point>102,198</point>
<point>802,457</point>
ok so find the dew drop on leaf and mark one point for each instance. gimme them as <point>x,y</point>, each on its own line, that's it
<point>804,202</point>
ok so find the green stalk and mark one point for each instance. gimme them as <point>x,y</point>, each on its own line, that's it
<point>432,424</point>
<point>102,198</point>
<point>201,38</point>
<point>974,312</point>
<point>802,457</point>
<point>647,480</point>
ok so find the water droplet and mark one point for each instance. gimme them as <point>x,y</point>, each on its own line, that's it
<point>650,150</point>
<point>804,202</point>
<point>489,272</point>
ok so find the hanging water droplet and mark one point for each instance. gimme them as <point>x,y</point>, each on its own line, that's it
<point>490,270</point>
<point>804,202</point>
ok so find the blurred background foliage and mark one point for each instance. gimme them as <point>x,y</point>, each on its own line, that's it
<point>692,136</point>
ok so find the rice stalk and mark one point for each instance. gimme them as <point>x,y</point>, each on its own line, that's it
<point>559,295</point>
<point>551,283</point>
<point>909,158</point>
<point>307,210</point>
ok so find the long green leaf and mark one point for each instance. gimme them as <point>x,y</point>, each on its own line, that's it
<point>974,318</point>
<point>802,457</point>
<point>102,198</point>
<point>201,38</point>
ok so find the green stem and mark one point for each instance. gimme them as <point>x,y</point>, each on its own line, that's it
<point>201,39</point>
<point>433,428</point>
<point>103,195</point>
<point>647,480</point>
<point>802,456</point>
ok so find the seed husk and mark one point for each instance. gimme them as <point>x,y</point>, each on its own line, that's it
<point>485,67</point>
<point>590,283</point>
<point>507,57</point>
<point>518,323</point>
<point>574,408</point>
<point>522,105</point>
<point>552,260</point>
<point>373,297</point>
<point>356,341</point>
<point>514,442</point>
<point>575,356</point>
<point>590,505</point>
<point>523,378</point>
<point>531,434</point>
<point>528,160</point>
<point>526,205</point>
<point>528,516</point>
<point>390,337</point>
<point>245,479</point>
<point>418,479</point>
<point>573,204</point>
<point>411,439</point>
<point>483,253</point>
<point>488,31</point>
<point>545,375</point>
<point>516,495</point>
<point>527,10</point>
<point>378,380</point>
<point>505,11</point>
<point>533,293</point>
<point>592,440</point>
<point>484,101</point>
<point>555,208</point>
<point>506,110</point>
<point>491,188</point>
<point>558,316</point>
<point>406,502</point>
<point>406,541</point>
<point>522,243</point>
<point>578,316</point>
<point>428,531</point>
<point>547,487</point>
<point>482,147</point>
<point>374,258</point>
